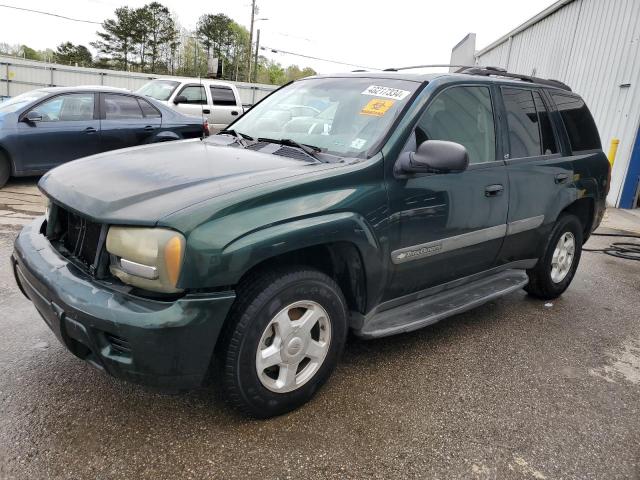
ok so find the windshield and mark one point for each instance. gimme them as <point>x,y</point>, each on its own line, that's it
<point>158,89</point>
<point>341,116</point>
<point>16,103</point>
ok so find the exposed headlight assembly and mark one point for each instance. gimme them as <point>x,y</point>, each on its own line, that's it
<point>147,258</point>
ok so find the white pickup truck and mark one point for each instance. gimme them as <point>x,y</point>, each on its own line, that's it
<point>218,101</point>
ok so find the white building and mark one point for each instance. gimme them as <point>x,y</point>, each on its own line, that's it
<point>594,47</point>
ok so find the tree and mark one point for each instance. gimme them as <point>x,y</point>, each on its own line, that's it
<point>293,72</point>
<point>29,53</point>
<point>160,30</point>
<point>215,32</point>
<point>118,39</point>
<point>70,54</point>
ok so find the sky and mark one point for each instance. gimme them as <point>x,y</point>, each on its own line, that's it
<point>368,33</point>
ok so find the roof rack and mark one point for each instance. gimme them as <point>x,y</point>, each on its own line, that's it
<point>501,72</point>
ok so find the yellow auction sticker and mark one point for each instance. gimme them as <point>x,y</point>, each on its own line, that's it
<point>377,107</point>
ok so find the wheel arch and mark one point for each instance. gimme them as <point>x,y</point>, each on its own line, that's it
<point>4,152</point>
<point>336,243</point>
<point>584,209</point>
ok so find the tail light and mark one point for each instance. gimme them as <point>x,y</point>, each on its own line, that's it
<point>205,127</point>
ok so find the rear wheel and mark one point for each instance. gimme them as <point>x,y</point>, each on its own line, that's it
<point>5,170</point>
<point>555,270</point>
<point>284,337</point>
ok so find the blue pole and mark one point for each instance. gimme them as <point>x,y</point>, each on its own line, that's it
<point>628,197</point>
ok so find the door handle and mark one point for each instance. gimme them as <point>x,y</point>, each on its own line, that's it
<point>90,130</point>
<point>206,110</point>
<point>234,112</point>
<point>149,128</point>
<point>493,190</point>
<point>561,178</point>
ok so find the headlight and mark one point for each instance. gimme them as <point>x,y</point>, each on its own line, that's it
<point>148,258</point>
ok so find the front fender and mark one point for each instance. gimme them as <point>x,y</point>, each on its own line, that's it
<point>227,266</point>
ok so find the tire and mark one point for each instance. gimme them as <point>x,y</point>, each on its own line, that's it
<point>545,282</point>
<point>271,311</point>
<point>5,170</point>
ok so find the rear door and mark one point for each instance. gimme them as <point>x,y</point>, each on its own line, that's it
<point>124,122</point>
<point>539,171</point>
<point>69,129</point>
<point>225,107</point>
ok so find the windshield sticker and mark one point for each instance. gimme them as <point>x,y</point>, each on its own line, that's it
<point>377,107</point>
<point>358,143</point>
<point>386,92</point>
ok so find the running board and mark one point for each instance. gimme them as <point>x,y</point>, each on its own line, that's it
<point>429,310</point>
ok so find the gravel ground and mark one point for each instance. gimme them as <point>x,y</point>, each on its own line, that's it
<point>513,389</point>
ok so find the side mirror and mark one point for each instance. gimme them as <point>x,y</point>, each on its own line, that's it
<point>434,156</point>
<point>180,99</point>
<point>32,117</point>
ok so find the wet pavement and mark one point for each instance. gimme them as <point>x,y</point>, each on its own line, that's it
<point>514,389</point>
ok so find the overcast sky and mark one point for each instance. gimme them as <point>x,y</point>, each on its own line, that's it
<point>364,32</point>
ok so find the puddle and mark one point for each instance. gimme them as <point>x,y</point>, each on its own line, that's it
<point>625,364</point>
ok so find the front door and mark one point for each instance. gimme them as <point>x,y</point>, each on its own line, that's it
<point>193,100</point>
<point>69,129</point>
<point>449,225</point>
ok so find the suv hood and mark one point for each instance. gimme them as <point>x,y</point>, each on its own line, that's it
<point>140,185</point>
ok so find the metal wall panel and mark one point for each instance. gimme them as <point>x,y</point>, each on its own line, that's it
<point>593,46</point>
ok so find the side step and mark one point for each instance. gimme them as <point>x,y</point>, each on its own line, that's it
<point>429,310</point>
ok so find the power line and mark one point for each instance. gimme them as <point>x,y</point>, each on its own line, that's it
<point>50,14</point>
<point>276,50</point>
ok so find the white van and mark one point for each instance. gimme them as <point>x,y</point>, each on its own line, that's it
<point>218,101</point>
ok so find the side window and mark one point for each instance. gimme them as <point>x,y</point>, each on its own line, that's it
<point>582,130</point>
<point>546,130</point>
<point>522,121</point>
<point>121,107</point>
<point>67,108</point>
<point>223,96</point>
<point>463,115</point>
<point>148,110</point>
<point>194,94</point>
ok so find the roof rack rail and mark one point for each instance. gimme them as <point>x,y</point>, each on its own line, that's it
<point>437,65</point>
<point>501,72</point>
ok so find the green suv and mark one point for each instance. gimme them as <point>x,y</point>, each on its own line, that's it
<point>373,202</point>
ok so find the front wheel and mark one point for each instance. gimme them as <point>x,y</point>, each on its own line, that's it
<point>284,338</point>
<point>554,271</point>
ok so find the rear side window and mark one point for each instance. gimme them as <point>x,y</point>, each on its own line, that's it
<point>581,129</point>
<point>121,107</point>
<point>463,115</point>
<point>148,110</point>
<point>549,145</point>
<point>522,120</point>
<point>223,96</point>
<point>194,94</point>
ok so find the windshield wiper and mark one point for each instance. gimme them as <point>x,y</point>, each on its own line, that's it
<point>310,150</point>
<point>238,135</point>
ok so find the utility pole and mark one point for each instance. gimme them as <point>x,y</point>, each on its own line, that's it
<point>255,63</point>
<point>253,13</point>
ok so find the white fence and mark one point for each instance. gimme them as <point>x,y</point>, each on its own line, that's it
<point>18,76</point>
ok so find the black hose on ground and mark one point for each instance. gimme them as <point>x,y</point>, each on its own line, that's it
<point>627,250</point>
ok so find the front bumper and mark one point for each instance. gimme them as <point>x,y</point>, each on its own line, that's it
<point>164,344</point>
